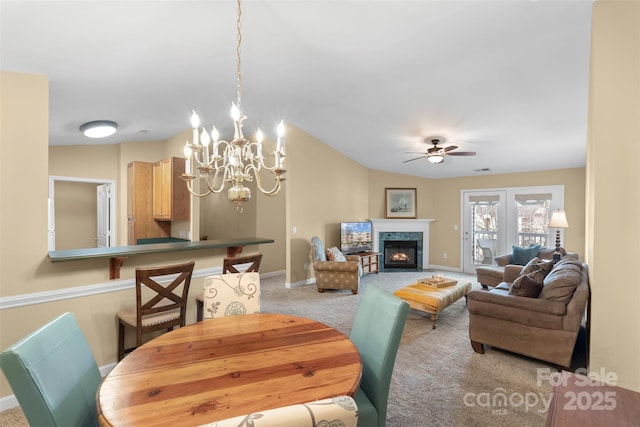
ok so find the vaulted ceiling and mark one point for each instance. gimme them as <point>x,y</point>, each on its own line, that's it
<point>506,79</point>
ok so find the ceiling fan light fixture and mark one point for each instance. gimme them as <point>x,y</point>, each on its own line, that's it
<point>435,158</point>
<point>99,128</point>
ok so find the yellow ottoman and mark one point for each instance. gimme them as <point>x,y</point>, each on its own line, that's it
<point>425,298</point>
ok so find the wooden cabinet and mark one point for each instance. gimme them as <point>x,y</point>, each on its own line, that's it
<point>170,195</point>
<point>369,262</point>
<point>140,223</point>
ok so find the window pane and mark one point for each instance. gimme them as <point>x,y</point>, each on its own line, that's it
<point>533,220</point>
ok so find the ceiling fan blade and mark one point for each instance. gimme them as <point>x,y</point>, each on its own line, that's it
<point>415,152</point>
<point>411,160</point>
<point>462,153</point>
<point>434,149</point>
<point>449,148</point>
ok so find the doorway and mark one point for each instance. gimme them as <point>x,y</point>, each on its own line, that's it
<point>81,213</point>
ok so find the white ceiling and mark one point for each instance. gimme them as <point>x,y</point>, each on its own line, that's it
<point>507,79</point>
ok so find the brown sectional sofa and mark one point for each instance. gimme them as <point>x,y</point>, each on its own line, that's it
<point>545,327</point>
<point>492,275</point>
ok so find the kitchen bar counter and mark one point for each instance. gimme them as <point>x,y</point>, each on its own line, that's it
<point>119,253</point>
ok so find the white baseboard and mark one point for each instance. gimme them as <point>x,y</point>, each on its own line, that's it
<point>300,283</point>
<point>444,268</point>
<point>8,402</point>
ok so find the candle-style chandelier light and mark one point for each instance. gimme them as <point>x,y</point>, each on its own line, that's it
<point>236,161</point>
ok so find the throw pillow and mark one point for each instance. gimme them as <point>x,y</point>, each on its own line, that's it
<point>531,279</point>
<point>318,249</point>
<point>525,286</point>
<point>521,256</point>
<point>334,254</point>
<point>537,269</point>
<point>329,255</point>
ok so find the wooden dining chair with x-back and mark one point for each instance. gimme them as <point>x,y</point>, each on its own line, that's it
<point>230,265</point>
<point>164,305</point>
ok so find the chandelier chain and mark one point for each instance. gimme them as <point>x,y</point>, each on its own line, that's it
<point>239,82</point>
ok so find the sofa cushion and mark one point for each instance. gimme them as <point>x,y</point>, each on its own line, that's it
<point>521,256</point>
<point>334,254</point>
<point>547,253</point>
<point>503,260</point>
<point>562,281</point>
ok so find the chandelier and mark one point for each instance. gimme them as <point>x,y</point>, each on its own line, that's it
<point>232,161</point>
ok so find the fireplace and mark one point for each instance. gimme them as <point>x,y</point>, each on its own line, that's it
<point>401,254</point>
<point>402,229</point>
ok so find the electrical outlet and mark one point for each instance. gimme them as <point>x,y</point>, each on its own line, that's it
<point>444,255</point>
<point>306,265</point>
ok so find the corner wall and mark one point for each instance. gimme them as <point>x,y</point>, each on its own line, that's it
<point>324,187</point>
<point>613,191</point>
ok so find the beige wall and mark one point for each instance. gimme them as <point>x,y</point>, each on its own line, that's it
<point>379,180</point>
<point>613,190</point>
<point>324,187</point>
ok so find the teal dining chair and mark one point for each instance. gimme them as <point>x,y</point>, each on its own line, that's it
<point>376,332</point>
<point>54,375</point>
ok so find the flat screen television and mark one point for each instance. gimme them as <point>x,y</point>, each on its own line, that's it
<point>355,237</point>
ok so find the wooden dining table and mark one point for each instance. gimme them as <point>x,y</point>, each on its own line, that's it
<point>226,367</point>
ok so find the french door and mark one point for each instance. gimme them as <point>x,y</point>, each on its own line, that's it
<point>495,219</point>
<point>483,227</point>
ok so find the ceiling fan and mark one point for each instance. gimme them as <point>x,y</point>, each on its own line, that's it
<point>437,154</point>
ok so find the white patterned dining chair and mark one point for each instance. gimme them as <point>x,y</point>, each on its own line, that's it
<point>230,294</point>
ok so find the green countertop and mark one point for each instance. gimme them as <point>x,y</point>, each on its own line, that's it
<point>124,251</point>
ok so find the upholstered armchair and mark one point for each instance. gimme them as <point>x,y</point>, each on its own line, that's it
<point>338,411</point>
<point>342,273</point>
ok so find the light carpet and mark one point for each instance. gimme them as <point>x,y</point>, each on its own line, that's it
<point>438,380</point>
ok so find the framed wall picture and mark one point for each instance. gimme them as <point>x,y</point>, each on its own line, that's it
<point>400,202</point>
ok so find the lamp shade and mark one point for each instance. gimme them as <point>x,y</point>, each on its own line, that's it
<point>558,220</point>
<point>99,128</point>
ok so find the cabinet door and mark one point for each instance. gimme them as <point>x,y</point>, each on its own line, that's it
<point>170,194</point>
<point>167,190</point>
<point>157,191</point>
<point>180,196</point>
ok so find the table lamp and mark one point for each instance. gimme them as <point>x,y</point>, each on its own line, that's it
<point>558,221</point>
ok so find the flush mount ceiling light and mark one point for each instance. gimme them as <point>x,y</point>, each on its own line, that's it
<point>99,128</point>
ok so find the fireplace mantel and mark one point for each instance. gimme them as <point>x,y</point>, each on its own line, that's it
<point>403,225</point>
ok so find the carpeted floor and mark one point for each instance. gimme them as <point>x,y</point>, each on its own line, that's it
<point>438,380</point>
